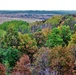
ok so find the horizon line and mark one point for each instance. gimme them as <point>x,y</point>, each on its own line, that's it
<point>36,10</point>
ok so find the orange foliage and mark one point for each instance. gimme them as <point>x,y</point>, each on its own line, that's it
<point>61,58</point>
<point>2,69</point>
<point>22,66</point>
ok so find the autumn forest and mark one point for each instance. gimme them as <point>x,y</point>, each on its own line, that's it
<point>46,47</point>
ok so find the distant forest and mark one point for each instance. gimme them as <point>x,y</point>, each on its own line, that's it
<point>37,12</point>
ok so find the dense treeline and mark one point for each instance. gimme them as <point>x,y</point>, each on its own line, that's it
<point>29,49</point>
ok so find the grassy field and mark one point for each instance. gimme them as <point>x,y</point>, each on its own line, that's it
<point>5,19</point>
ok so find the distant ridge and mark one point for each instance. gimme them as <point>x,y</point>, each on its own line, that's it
<point>37,12</point>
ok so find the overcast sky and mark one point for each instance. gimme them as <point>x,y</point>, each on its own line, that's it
<point>37,4</point>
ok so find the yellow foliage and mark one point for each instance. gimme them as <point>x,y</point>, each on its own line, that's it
<point>45,31</point>
<point>73,39</point>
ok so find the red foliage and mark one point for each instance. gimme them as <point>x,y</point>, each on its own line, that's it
<point>2,69</point>
<point>21,67</point>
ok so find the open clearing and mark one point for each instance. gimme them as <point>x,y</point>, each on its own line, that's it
<point>5,19</point>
